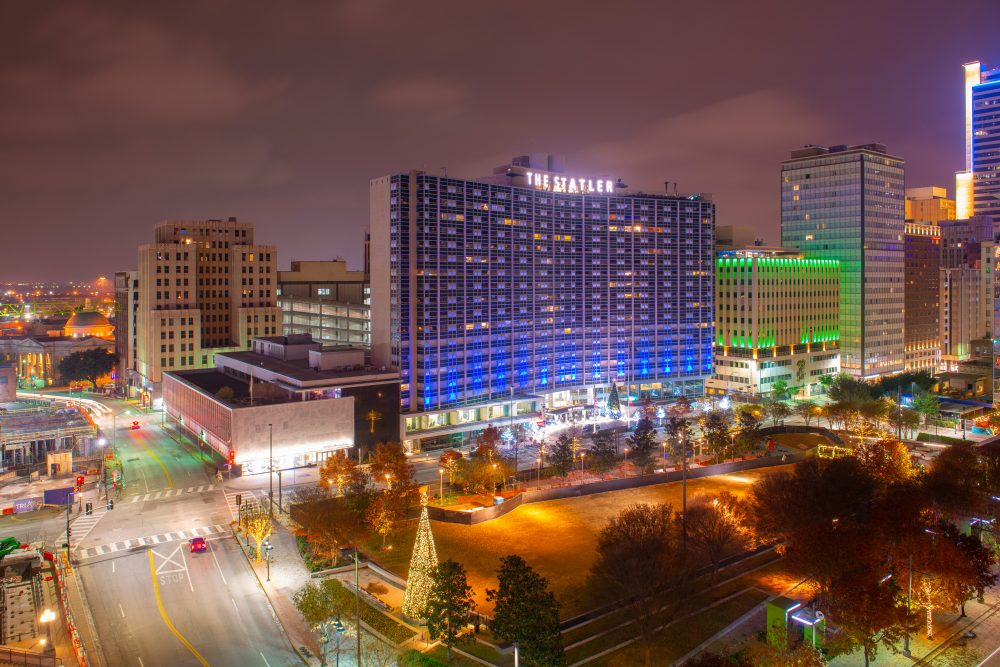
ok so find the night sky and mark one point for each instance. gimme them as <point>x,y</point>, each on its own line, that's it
<point>115,116</point>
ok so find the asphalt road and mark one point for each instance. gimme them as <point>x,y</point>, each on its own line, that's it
<point>159,604</point>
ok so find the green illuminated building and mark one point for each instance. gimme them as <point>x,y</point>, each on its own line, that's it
<point>776,319</point>
<point>847,203</point>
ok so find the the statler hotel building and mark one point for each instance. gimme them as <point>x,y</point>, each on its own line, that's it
<point>531,291</point>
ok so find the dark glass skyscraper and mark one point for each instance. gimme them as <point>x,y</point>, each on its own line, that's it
<point>847,203</point>
<point>531,286</point>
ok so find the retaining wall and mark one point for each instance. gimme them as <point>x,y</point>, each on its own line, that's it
<point>603,486</point>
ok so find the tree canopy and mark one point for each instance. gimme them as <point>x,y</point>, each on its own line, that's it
<point>526,612</point>
<point>87,365</point>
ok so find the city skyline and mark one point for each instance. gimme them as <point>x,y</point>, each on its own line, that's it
<point>168,121</point>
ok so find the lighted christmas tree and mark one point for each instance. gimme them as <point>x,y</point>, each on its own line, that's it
<point>422,565</point>
<point>614,403</point>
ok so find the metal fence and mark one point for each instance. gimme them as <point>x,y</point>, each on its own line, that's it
<point>16,656</point>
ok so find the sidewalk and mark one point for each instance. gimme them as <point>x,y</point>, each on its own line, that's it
<point>288,575</point>
<point>944,649</point>
<point>79,616</point>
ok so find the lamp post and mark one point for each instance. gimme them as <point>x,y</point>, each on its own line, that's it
<point>338,628</point>
<point>441,478</point>
<point>104,482</point>
<point>270,467</point>
<point>46,620</point>
<point>582,456</point>
<point>267,556</point>
<point>388,481</point>
<point>538,467</point>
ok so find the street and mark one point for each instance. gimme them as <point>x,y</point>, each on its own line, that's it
<point>153,601</point>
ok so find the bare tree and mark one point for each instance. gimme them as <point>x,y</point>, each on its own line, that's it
<point>717,527</point>
<point>642,565</point>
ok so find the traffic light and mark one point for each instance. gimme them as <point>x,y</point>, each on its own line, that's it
<point>90,508</point>
<point>239,499</point>
<point>111,503</point>
<point>79,481</point>
<point>232,457</point>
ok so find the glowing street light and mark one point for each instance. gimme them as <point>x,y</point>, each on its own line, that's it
<point>441,478</point>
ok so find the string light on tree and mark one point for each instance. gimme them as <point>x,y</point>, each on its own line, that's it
<point>420,580</point>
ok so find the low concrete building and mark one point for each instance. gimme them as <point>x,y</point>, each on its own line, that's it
<point>290,393</point>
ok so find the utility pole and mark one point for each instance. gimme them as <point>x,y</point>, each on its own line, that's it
<point>909,593</point>
<point>357,601</point>
<point>270,466</point>
<point>684,491</point>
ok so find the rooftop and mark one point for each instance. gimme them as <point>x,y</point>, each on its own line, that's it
<point>299,370</point>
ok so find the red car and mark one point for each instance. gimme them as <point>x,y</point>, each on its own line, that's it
<point>134,426</point>
<point>198,544</point>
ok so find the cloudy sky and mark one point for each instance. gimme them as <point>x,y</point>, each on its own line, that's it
<point>115,115</point>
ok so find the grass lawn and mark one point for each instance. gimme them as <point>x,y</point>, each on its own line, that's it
<point>558,538</point>
<point>800,441</point>
<point>683,636</point>
<point>440,653</point>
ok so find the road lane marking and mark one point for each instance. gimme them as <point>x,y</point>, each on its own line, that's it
<point>140,662</point>
<point>166,618</point>
<point>186,570</point>
<point>144,482</point>
<point>234,605</point>
<point>212,551</point>
<point>209,532</point>
<point>121,610</point>
<point>170,482</point>
<point>264,659</point>
<point>112,567</point>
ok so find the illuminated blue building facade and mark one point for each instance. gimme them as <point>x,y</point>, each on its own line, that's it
<point>555,289</point>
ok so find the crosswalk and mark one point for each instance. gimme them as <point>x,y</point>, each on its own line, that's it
<point>152,540</point>
<point>244,497</point>
<point>171,493</point>
<point>81,526</point>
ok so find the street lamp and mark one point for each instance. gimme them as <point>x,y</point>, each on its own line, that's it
<point>441,478</point>
<point>46,619</point>
<point>538,466</point>
<point>582,455</point>
<point>267,556</point>
<point>388,481</point>
<point>339,630</point>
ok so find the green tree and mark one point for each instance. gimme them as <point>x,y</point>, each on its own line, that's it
<point>825,381</point>
<point>602,452</point>
<point>927,406</point>
<point>561,455</point>
<point>677,432</point>
<point>748,425</point>
<point>715,431</point>
<point>526,612</point>
<point>779,389</point>
<point>449,604</point>
<point>322,604</point>
<point>87,365</point>
<point>642,442</point>
<point>776,411</point>
<point>614,405</point>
